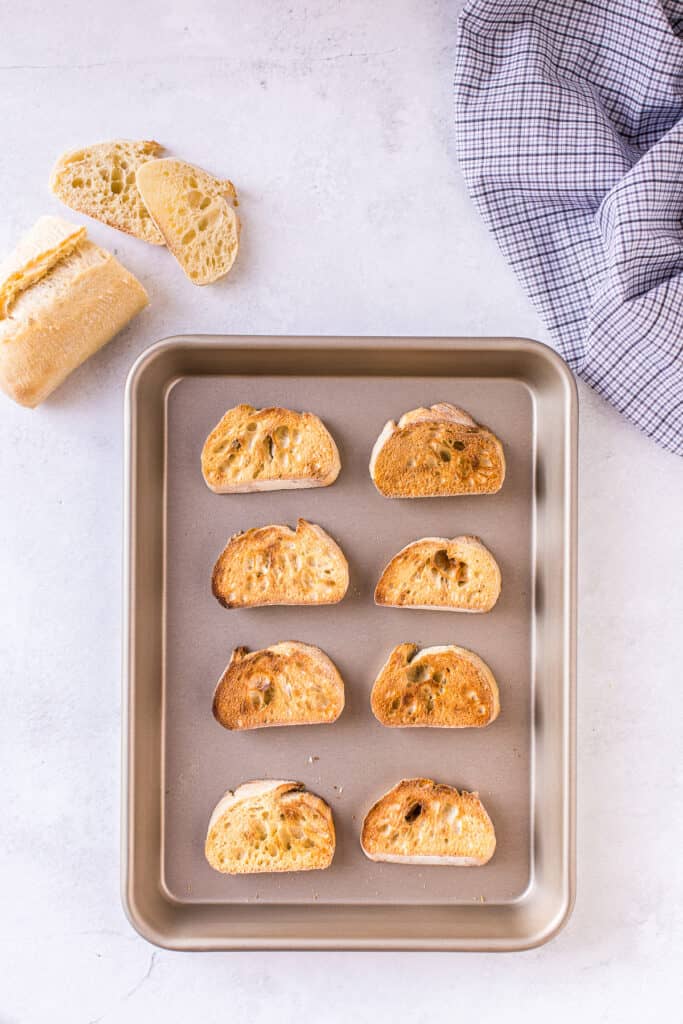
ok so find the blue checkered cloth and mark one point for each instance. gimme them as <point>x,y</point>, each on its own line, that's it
<point>570,139</point>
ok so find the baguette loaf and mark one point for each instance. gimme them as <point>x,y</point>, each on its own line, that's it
<point>63,299</point>
<point>287,684</point>
<point>444,687</point>
<point>458,575</point>
<point>195,213</point>
<point>268,449</point>
<point>435,452</point>
<point>278,565</point>
<point>99,181</point>
<point>424,822</point>
<point>270,825</point>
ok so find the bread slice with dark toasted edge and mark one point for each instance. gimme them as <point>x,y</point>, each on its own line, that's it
<point>99,181</point>
<point>435,573</point>
<point>289,683</point>
<point>277,565</point>
<point>270,825</point>
<point>420,821</point>
<point>196,215</point>
<point>444,687</point>
<point>267,450</point>
<point>435,452</point>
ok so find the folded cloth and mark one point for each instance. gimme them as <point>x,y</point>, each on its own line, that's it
<point>570,139</point>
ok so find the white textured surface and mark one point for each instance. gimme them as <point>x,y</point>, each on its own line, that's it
<point>334,121</point>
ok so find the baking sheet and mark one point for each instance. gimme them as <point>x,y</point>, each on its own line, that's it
<point>178,761</point>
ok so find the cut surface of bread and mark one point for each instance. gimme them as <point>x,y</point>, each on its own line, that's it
<point>268,449</point>
<point>424,822</point>
<point>434,452</point>
<point>459,575</point>
<point>67,298</point>
<point>195,213</point>
<point>100,181</point>
<point>444,687</point>
<point>289,683</point>
<point>278,565</point>
<point>270,825</point>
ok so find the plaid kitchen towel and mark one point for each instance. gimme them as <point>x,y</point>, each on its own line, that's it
<point>570,139</point>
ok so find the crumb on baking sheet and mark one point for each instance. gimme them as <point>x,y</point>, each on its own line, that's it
<point>312,758</point>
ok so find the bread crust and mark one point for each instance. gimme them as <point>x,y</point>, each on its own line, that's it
<point>289,683</point>
<point>420,821</point>
<point>440,574</point>
<point>270,825</point>
<point>436,452</point>
<point>270,565</point>
<point>445,687</point>
<point>268,449</point>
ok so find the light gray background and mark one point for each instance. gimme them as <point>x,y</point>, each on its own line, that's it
<point>334,120</point>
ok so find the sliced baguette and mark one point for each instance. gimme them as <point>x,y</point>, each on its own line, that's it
<point>424,822</point>
<point>434,452</point>
<point>442,687</point>
<point>99,181</point>
<point>195,213</point>
<point>289,683</point>
<point>267,450</point>
<point>64,298</point>
<point>270,825</point>
<point>277,565</point>
<point>458,575</point>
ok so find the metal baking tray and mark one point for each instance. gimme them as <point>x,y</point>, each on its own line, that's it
<point>178,761</point>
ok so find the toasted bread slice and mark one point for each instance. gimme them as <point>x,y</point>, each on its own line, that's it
<point>424,822</point>
<point>458,575</point>
<point>278,565</point>
<point>99,181</point>
<point>287,684</point>
<point>268,450</point>
<point>270,825</point>
<point>435,452</point>
<point>443,687</point>
<point>195,213</point>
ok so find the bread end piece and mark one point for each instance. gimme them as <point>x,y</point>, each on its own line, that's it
<point>65,310</point>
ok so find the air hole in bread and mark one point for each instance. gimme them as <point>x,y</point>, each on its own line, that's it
<point>459,446</point>
<point>413,813</point>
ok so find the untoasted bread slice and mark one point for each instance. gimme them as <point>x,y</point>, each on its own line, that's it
<point>435,452</point>
<point>443,687</point>
<point>267,450</point>
<point>458,575</point>
<point>270,825</point>
<point>424,822</point>
<point>287,684</point>
<point>99,181</point>
<point>278,565</point>
<point>195,213</point>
